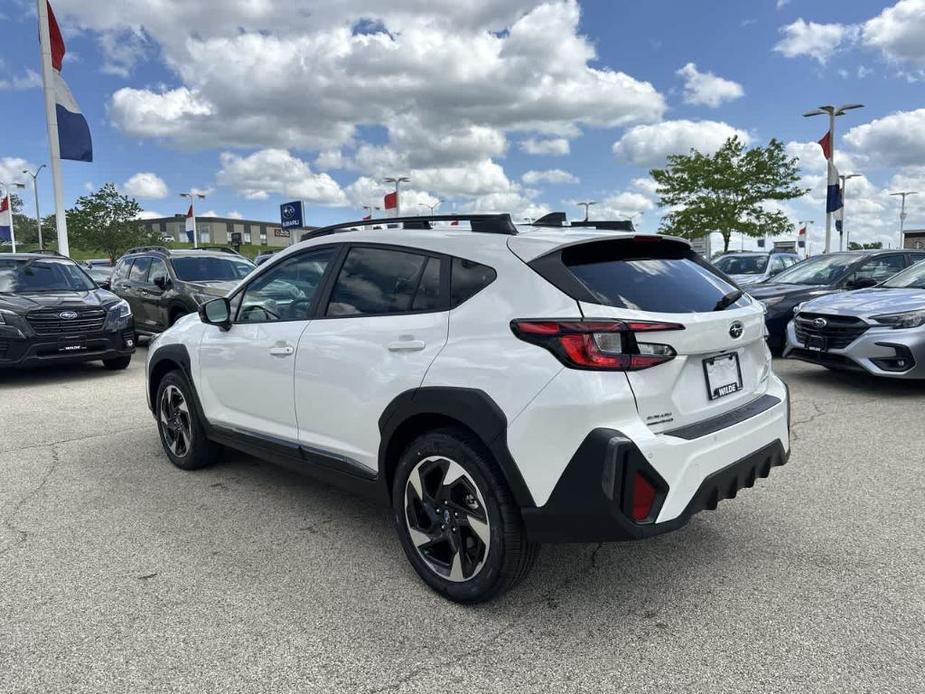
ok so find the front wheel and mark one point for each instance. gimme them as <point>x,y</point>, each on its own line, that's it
<point>182,434</point>
<point>457,522</point>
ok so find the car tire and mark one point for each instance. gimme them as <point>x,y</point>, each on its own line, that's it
<point>117,363</point>
<point>457,520</point>
<point>179,426</point>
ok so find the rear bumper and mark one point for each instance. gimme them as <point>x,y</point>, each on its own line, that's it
<point>24,352</point>
<point>592,501</point>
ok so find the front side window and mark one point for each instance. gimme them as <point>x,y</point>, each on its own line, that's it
<point>158,272</point>
<point>122,270</point>
<point>820,270</point>
<point>378,281</point>
<point>912,277</point>
<point>26,276</point>
<point>139,271</point>
<point>743,264</point>
<point>287,292</point>
<point>879,268</point>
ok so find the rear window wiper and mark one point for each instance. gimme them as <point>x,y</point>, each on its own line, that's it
<point>728,300</point>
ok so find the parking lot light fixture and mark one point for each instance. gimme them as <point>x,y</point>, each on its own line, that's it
<point>397,180</point>
<point>902,214</point>
<point>587,205</point>
<point>35,191</point>
<point>191,196</point>
<point>832,112</point>
<point>6,187</point>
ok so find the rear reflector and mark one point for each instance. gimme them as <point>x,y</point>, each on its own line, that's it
<point>598,344</point>
<point>643,497</point>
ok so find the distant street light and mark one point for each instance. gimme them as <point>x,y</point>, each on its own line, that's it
<point>843,236</point>
<point>369,209</point>
<point>587,205</point>
<point>804,224</point>
<point>902,214</point>
<point>6,186</point>
<point>832,112</point>
<point>192,202</point>
<point>432,208</point>
<point>35,192</point>
<point>397,180</point>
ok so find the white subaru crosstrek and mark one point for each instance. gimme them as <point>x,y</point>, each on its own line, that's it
<point>499,386</point>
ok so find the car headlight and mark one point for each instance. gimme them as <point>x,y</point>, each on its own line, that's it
<point>908,319</point>
<point>118,315</point>
<point>203,298</point>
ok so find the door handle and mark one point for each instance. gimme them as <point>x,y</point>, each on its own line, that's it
<point>407,346</point>
<point>282,350</point>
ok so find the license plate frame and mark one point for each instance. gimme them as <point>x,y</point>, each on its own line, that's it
<point>722,375</point>
<point>817,343</point>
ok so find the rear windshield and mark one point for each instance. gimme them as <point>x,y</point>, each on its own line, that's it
<point>652,275</point>
<point>742,264</point>
<point>210,268</point>
<point>30,275</point>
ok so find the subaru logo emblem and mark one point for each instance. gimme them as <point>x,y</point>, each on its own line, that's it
<point>736,330</point>
<point>820,323</point>
<point>67,315</point>
<point>288,212</point>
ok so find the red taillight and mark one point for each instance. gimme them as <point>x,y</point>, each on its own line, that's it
<point>598,344</point>
<point>643,497</point>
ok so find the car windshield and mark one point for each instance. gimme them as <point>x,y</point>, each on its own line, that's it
<point>211,268</point>
<point>910,278</point>
<point>25,275</point>
<point>742,264</point>
<point>823,270</point>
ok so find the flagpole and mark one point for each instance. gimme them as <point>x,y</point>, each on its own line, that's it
<point>51,118</point>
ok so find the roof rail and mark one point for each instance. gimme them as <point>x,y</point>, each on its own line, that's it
<point>46,251</point>
<point>558,219</point>
<point>481,223</point>
<point>148,249</point>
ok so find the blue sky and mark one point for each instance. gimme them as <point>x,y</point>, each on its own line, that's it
<point>259,102</point>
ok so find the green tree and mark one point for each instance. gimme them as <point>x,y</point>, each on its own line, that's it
<point>107,221</point>
<point>852,246</point>
<point>726,191</point>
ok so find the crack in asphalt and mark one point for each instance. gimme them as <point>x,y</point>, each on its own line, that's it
<point>77,438</point>
<point>547,599</point>
<point>20,534</point>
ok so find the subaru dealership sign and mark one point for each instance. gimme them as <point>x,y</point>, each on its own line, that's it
<point>291,215</point>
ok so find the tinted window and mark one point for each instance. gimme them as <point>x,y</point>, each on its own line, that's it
<point>820,270</point>
<point>879,268</point>
<point>158,271</point>
<point>427,297</point>
<point>467,279</point>
<point>742,264</point>
<point>911,278</point>
<point>211,268</point>
<point>30,275</point>
<point>661,276</point>
<point>286,292</point>
<point>140,270</point>
<point>122,270</point>
<point>376,281</point>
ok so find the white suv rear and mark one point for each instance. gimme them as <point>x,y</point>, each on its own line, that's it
<point>499,386</point>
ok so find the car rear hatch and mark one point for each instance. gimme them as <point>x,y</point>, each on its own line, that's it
<point>720,359</point>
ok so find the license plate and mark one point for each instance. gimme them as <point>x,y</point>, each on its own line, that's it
<point>76,347</point>
<point>724,377</point>
<point>815,342</point>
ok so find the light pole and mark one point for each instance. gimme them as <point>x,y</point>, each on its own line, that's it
<point>35,192</point>
<point>587,205</point>
<point>192,197</point>
<point>432,208</point>
<point>6,186</point>
<point>397,180</point>
<point>804,224</point>
<point>832,112</point>
<point>902,214</point>
<point>843,234</point>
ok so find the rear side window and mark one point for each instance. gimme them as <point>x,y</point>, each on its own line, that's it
<point>468,279</point>
<point>140,270</point>
<point>378,281</point>
<point>650,275</point>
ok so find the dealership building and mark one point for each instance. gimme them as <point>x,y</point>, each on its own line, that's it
<point>219,230</point>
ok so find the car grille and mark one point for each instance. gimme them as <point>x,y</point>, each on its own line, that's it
<point>839,331</point>
<point>47,322</point>
<point>4,348</point>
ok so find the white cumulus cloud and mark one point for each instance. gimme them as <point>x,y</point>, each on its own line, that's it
<point>649,145</point>
<point>707,89</point>
<point>278,172</point>
<point>146,185</point>
<point>557,146</point>
<point>549,176</point>
<point>818,41</point>
<point>894,140</point>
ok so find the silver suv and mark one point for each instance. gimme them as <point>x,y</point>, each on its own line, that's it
<point>880,330</point>
<point>752,268</point>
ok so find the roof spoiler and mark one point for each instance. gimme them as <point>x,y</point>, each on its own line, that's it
<point>558,219</point>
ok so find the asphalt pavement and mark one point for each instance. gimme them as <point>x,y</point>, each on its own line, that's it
<point>121,573</point>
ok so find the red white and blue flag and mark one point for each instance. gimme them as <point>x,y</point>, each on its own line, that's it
<point>833,197</point>
<point>73,132</point>
<point>190,226</point>
<point>6,220</point>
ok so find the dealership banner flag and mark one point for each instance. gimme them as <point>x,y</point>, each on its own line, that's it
<point>190,225</point>
<point>6,220</point>
<point>73,132</point>
<point>390,201</point>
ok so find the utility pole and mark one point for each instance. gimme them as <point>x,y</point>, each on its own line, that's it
<point>397,180</point>
<point>192,197</point>
<point>843,236</point>
<point>832,112</point>
<point>35,192</point>
<point>587,205</point>
<point>902,214</point>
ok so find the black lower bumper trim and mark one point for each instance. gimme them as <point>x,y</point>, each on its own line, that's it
<point>727,419</point>
<point>833,361</point>
<point>589,502</point>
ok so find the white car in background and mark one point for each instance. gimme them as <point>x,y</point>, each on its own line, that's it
<point>499,386</point>
<point>752,268</point>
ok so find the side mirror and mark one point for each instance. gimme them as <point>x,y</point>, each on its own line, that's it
<point>105,284</point>
<point>161,282</point>
<point>216,312</point>
<point>862,283</point>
